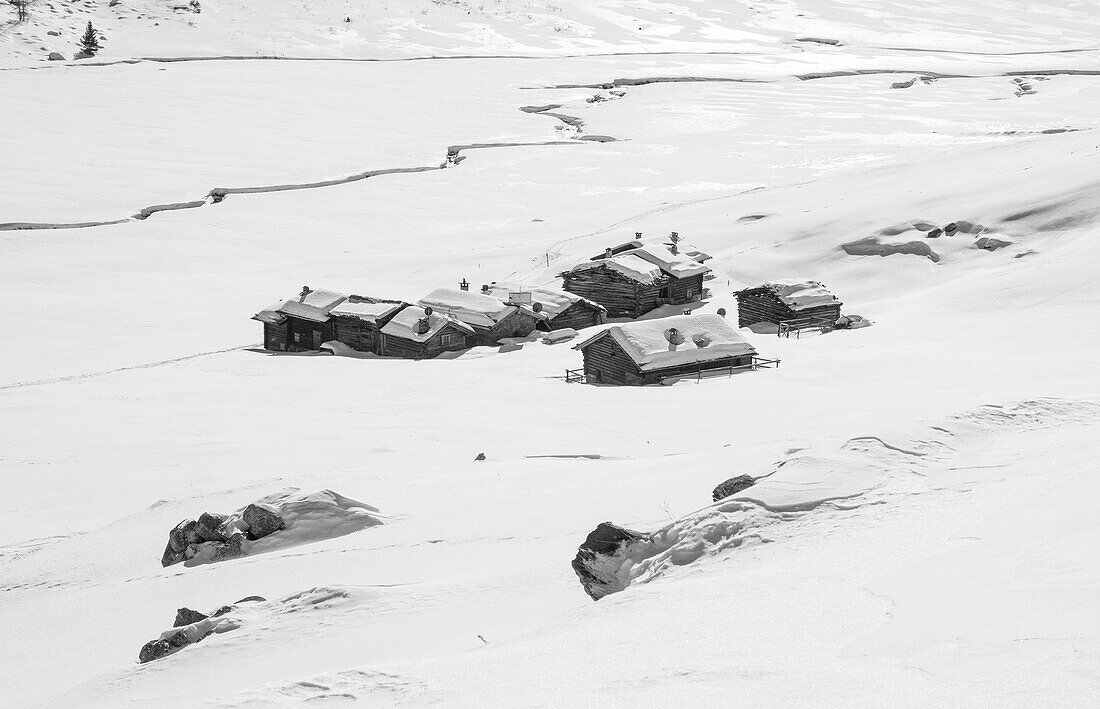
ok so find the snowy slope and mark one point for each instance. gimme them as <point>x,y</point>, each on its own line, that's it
<point>925,532</point>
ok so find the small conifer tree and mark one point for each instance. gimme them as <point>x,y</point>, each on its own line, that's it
<point>89,43</point>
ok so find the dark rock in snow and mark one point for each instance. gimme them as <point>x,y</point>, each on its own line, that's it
<point>990,244</point>
<point>935,233</point>
<point>251,599</point>
<point>480,456</point>
<point>208,528</point>
<point>221,611</point>
<point>178,640</point>
<point>186,616</point>
<point>154,650</point>
<point>262,520</point>
<point>170,556</point>
<point>183,535</point>
<point>600,547</point>
<point>231,549</point>
<point>56,57</point>
<point>733,486</point>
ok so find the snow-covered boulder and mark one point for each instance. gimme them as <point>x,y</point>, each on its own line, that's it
<point>733,486</point>
<point>189,628</point>
<point>280,520</point>
<point>262,520</point>
<point>603,552</point>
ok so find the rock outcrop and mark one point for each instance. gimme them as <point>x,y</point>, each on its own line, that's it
<point>190,627</point>
<point>262,520</point>
<point>733,486</point>
<point>601,555</point>
<point>56,57</point>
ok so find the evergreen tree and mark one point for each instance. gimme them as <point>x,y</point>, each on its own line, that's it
<point>89,43</point>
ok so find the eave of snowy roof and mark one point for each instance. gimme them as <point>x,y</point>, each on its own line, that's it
<point>705,338</point>
<point>677,265</point>
<point>554,302</point>
<point>370,312</point>
<point>314,305</point>
<point>404,324</point>
<point>472,308</point>
<point>628,265</point>
<point>801,294</point>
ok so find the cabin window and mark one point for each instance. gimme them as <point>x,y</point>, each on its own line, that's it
<point>297,338</point>
<point>691,294</point>
<point>599,375</point>
<point>447,338</point>
<point>665,292</point>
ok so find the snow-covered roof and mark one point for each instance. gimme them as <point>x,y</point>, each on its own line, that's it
<point>701,338</point>
<point>553,301</point>
<point>629,265</point>
<point>404,324</point>
<point>313,305</point>
<point>678,265</point>
<point>366,310</point>
<point>800,294</point>
<point>472,308</point>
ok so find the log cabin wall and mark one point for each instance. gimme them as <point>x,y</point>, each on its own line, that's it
<point>356,333</point>
<point>623,297</point>
<point>655,376</point>
<point>687,290</point>
<point>393,346</point>
<point>759,305</point>
<point>300,334</point>
<point>518,324</point>
<point>275,336</point>
<point>576,316</point>
<point>606,363</point>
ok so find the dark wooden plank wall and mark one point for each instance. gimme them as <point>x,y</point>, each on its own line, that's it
<point>392,346</point>
<point>606,363</point>
<point>305,329</point>
<point>656,375</point>
<point>759,305</point>
<point>687,290</point>
<point>355,333</point>
<point>576,316</point>
<point>623,297</point>
<point>275,336</point>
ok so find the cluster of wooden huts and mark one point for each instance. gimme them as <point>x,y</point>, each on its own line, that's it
<point>445,320</point>
<point>625,281</point>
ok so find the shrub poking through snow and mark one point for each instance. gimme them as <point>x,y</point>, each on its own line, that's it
<point>284,519</point>
<point>733,486</point>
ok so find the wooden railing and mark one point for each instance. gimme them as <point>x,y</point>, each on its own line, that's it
<point>799,324</point>
<point>574,376</point>
<point>757,363</point>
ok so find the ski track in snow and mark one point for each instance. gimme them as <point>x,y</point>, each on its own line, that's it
<point>105,372</point>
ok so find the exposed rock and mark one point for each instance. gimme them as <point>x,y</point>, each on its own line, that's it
<point>595,562</point>
<point>183,535</point>
<point>178,640</point>
<point>934,233</point>
<point>170,556</point>
<point>186,616</point>
<point>56,57</point>
<point>990,244</point>
<point>734,485</point>
<point>480,456</point>
<point>154,650</point>
<point>231,549</point>
<point>251,599</point>
<point>903,84</point>
<point>950,229</point>
<point>54,33</point>
<point>871,246</point>
<point>209,527</point>
<point>262,520</point>
<point>221,611</point>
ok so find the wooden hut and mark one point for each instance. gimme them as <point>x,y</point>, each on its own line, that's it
<point>414,332</point>
<point>558,309</point>
<point>792,301</point>
<point>301,323</point>
<point>635,281</point>
<point>358,321</point>
<point>645,352</point>
<point>490,318</point>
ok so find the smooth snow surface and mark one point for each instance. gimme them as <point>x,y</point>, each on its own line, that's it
<point>924,529</point>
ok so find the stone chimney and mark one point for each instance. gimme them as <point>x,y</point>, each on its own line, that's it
<point>464,285</point>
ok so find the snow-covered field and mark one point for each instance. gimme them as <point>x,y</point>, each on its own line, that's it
<point>926,534</point>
